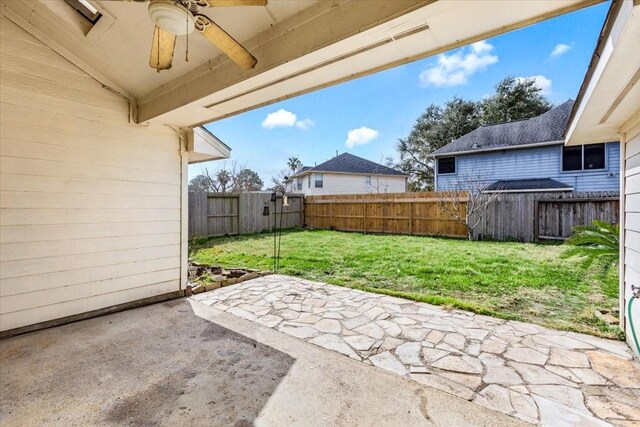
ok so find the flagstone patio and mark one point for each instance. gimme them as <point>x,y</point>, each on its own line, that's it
<point>539,375</point>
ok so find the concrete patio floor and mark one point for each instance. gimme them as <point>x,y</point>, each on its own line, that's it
<point>185,363</point>
<point>536,374</point>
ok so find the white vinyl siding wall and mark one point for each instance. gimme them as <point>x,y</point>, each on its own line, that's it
<point>333,183</point>
<point>90,204</point>
<point>632,223</point>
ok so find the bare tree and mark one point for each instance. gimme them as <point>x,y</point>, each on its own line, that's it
<point>282,179</point>
<point>227,179</point>
<point>466,201</point>
<point>376,186</point>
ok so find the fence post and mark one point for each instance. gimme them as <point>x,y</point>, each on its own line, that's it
<point>410,218</point>
<point>536,219</point>
<point>364,218</point>
<point>301,202</point>
<point>330,214</point>
<point>238,215</point>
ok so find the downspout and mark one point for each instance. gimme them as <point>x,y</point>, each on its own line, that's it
<point>184,205</point>
<point>621,285</point>
<point>184,213</point>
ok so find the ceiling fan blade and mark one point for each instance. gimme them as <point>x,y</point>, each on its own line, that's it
<point>223,3</point>
<point>229,46</point>
<point>162,47</point>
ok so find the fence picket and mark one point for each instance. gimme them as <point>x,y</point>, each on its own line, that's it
<point>219,214</point>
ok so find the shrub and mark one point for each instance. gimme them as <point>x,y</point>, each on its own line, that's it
<point>598,241</point>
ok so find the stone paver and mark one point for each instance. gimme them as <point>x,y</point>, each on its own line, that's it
<point>530,372</point>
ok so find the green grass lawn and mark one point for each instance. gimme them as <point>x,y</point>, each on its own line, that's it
<point>522,281</point>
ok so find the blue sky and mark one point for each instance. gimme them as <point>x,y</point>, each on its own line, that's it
<point>366,116</point>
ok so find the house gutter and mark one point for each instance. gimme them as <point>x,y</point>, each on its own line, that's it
<point>510,147</point>
<point>310,171</point>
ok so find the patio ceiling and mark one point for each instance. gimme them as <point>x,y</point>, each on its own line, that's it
<point>300,45</point>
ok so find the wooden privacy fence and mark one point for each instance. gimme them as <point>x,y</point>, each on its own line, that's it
<point>219,214</point>
<point>394,213</point>
<point>528,217</point>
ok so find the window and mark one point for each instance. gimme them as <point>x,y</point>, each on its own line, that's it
<point>583,157</point>
<point>446,165</point>
<point>318,179</point>
<point>299,184</point>
<point>85,9</point>
<point>594,156</point>
<point>572,158</point>
<point>367,180</point>
<point>309,181</point>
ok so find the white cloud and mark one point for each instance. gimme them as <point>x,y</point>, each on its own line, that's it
<point>284,118</point>
<point>360,136</point>
<point>560,49</point>
<point>456,68</point>
<point>305,124</point>
<point>542,82</point>
<point>279,118</point>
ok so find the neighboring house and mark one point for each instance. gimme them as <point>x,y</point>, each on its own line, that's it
<point>528,155</point>
<point>348,174</point>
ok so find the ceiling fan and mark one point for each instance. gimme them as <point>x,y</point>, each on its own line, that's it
<point>181,17</point>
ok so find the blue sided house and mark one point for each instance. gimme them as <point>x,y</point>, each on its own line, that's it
<point>527,156</point>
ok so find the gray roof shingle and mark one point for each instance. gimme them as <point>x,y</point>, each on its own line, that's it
<point>527,185</point>
<point>348,163</point>
<point>546,127</point>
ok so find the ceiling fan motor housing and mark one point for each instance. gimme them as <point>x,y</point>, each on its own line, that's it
<point>171,16</point>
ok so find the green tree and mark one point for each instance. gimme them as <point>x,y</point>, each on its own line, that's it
<point>201,183</point>
<point>294,164</point>
<point>515,99</point>
<point>247,180</point>
<point>435,128</point>
<point>224,180</point>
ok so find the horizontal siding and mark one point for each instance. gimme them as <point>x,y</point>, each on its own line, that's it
<point>89,203</point>
<point>537,162</point>
<point>354,184</point>
<point>37,314</point>
<point>632,223</point>
<point>86,276</point>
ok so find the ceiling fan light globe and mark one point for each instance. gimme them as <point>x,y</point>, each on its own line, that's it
<point>171,17</point>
